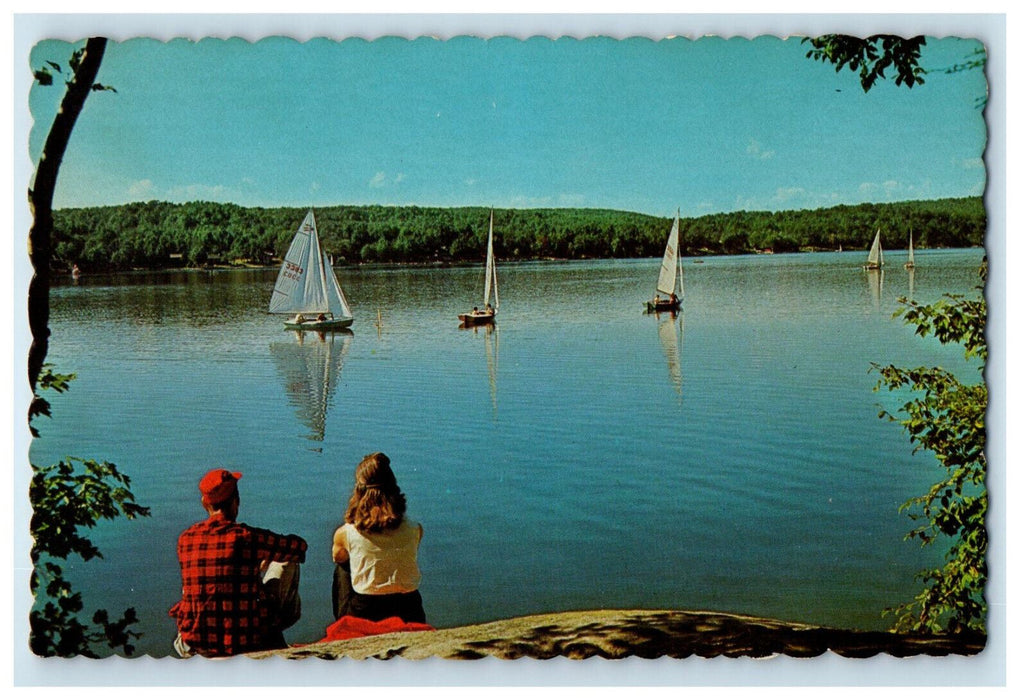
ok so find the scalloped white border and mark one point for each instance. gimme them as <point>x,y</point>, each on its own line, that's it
<point>986,669</point>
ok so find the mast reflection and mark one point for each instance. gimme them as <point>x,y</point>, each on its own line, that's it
<point>310,366</point>
<point>671,332</point>
<point>491,337</point>
<point>875,282</point>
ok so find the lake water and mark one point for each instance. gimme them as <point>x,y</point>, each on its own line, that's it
<point>579,455</point>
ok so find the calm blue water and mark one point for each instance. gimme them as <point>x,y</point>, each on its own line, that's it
<point>579,455</point>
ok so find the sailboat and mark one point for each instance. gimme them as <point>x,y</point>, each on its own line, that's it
<point>909,263</point>
<point>486,314</point>
<point>875,260</point>
<point>307,286</point>
<point>671,279</point>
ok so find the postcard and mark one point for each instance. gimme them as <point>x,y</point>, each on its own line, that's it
<point>513,349</point>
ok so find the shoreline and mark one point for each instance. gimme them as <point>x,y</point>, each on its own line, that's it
<point>649,634</point>
<point>698,257</point>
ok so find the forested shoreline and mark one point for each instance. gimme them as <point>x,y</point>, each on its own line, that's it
<point>155,235</point>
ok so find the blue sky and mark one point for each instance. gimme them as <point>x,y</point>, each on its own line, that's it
<point>705,125</point>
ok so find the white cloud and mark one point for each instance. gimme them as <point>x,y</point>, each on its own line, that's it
<point>382,179</point>
<point>790,194</point>
<point>566,199</point>
<point>785,198</point>
<point>198,192</point>
<point>141,189</point>
<point>526,202</point>
<point>757,151</point>
<point>895,190</point>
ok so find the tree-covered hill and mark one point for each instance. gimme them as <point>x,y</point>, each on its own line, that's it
<point>160,234</point>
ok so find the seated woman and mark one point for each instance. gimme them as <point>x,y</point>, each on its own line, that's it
<point>376,549</point>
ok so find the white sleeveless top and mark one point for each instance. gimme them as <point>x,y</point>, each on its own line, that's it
<point>384,562</point>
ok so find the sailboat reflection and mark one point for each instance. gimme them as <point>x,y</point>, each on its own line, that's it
<point>875,281</point>
<point>310,365</point>
<point>491,334</point>
<point>912,273</point>
<point>671,332</point>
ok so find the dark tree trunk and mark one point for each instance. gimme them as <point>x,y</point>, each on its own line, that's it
<point>41,202</point>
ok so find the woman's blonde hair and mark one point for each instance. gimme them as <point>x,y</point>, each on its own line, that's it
<point>377,504</point>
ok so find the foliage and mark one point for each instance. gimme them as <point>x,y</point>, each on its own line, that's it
<point>84,66</point>
<point>977,59</point>
<point>947,418</point>
<point>873,57</point>
<point>44,77</point>
<point>159,234</point>
<point>50,380</point>
<point>65,499</point>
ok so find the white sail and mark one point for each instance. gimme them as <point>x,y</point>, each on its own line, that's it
<point>306,283</point>
<point>876,256</point>
<point>288,292</point>
<point>910,263</point>
<point>337,303</point>
<point>667,283</point>
<point>491,281</point>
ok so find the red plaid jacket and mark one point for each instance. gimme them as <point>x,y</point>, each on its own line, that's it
<point>221,611</point>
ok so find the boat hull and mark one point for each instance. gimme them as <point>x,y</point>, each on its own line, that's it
<point>473,319</point>
<point>660,306</point>
<point>872,266</point>
<point>333,324</point>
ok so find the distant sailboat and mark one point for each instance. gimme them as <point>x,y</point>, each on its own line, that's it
<point>875,260</point>
<point>486,314</point>
<point>671,279</point>
<point>909,263</point>
<point>307,286</point>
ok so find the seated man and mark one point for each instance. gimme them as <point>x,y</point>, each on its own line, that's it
<point>240,584</point>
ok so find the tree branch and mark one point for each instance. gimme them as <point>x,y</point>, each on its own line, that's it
<point>41,201</point>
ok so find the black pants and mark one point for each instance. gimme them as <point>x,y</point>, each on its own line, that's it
<point>345,601</point>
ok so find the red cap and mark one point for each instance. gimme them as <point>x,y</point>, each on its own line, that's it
<point>218,484</point>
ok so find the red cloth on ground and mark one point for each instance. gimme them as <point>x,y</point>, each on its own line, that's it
<point>349,627</point>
